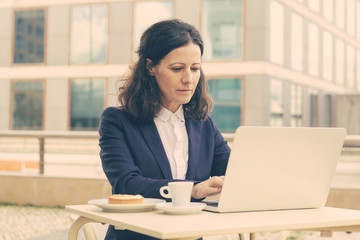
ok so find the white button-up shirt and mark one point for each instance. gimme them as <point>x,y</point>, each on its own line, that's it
<point>173,134</point>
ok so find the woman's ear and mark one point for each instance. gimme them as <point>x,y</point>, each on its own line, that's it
<point>150,67</point>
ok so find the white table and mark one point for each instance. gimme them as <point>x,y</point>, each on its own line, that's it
<point>164,226</point>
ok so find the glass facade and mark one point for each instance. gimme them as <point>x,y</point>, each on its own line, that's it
<point>29,36</point>
<point>27,105</point>
<point>143,18</point>
<point>276,32</point>
<point>327,56</point>
<point>301,43</point>
<point>87,103</point>
<point>320,106</point>
<point>350,67</point>
<point>227,96</point>
<point>358,71</point>
<point>276,103</point>
<point>297,42</point>
<point>318,50</point>
<point>296,106</point>
<point>350,17</point>
<point>222,29</point>
<point>327,111</point>
<point>340,13</point>
<point>357,20</point>
<point>339,62</point>
<point>314,108</point>
<point>89,31</point>
<point>313,50</point>
<point>328,9</point>
<point>314,5</point>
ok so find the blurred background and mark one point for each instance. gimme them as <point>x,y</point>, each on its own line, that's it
<point>268,62</point>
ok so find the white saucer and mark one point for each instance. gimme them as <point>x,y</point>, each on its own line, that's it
<point>167,207</point>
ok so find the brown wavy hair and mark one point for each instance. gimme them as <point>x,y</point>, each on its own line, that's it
<point>139,94</point>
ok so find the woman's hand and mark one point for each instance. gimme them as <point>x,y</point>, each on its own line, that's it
<point>208,187</point>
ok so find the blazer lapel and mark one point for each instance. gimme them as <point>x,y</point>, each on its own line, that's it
<point>194,134</point>
<point>153,140</point>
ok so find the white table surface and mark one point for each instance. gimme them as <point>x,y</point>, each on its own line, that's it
<point>164,226</point>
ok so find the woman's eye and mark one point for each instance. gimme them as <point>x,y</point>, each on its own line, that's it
<point>196,69</point>
<point>177,69</point>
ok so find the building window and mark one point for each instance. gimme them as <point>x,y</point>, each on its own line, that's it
<point>339,61</point>
<point>357,25</point>
<point>296,106</point>
<point>340,13</point>
<point>27,105</point>
<point>358,70</point>
<point>328,8</point>
<point>314,108</point>
<point>29,33</point>
<point>313,49</point>
<point>319,105</point>
<point>314,5</point>
<point>350,17</point>
<point>276,32</point>
<point>328,56</point>
<point>89,31</point>
<point>87,103</point>
<point>327,111</point>
<point>227,95</point>
<point>350,66</point>
<point>222,29</point>
<point>276,103</point>
<point>143,18</point>
<point>297,42</point>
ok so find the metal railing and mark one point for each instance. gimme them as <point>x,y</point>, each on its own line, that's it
<point>42,135</point>
<point>351,143</point>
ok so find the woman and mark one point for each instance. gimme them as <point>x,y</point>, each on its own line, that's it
<point>162,131</point>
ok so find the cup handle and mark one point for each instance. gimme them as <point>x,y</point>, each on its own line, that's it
<point>162,192</point>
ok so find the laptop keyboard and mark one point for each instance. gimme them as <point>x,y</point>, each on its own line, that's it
<point>213,204</point>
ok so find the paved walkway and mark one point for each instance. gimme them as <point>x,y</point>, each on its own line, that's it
<point>43,223</point>
<point>33,223</point>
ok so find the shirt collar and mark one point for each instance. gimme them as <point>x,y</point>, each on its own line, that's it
<point>165,115</point>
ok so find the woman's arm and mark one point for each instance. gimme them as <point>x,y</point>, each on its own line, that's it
<point>221,155</point>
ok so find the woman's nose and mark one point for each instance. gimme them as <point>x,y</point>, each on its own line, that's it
<point>187,76</point>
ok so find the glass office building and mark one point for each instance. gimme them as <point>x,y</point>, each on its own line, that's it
<point>268,62</point>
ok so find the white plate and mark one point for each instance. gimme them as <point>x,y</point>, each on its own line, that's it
<point>170,209</point>
<point>149,203</point>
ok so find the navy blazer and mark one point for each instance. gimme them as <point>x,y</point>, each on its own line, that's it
<point>135,162</point>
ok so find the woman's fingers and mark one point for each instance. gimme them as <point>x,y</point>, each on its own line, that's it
<point>217,181</point>
<point>213,191</point>
<point>208,187</point>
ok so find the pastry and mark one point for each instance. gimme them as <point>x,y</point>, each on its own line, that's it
<point>125,199</point>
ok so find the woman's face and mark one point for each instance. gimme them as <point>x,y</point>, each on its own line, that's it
<point>177,75</point>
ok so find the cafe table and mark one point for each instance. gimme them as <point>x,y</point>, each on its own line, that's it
<point>157,224</point>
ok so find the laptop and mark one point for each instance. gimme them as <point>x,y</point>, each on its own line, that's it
<point>274,168</point>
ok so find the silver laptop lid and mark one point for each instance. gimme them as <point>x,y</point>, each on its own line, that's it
<point>280,168</point>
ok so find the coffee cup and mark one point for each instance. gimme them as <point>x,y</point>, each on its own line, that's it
<point>179,192</point>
